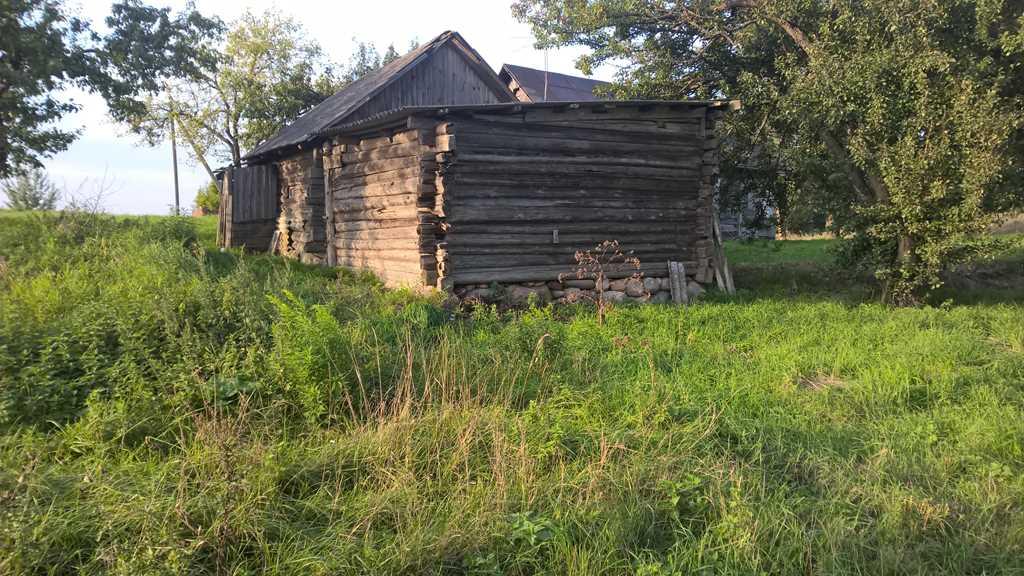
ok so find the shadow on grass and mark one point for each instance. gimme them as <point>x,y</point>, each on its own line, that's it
<point>805,270</point>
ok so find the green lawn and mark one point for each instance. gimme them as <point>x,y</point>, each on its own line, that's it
<point>168,408</point>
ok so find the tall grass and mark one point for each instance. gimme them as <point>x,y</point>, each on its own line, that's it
<point>167,408</point>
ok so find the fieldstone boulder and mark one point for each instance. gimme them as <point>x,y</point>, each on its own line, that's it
<point>523,295</point>
<point>614,296</point>
<point>652,285</point>
<point>479,294</point>
<point>661,297</point>
<point>694,290</point>
<point>635,288</point>
<point>618,285</point>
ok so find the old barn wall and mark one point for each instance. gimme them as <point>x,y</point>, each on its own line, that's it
<point>520,195</point>
<point>248,207</point>
<point>381,193</point>
<point>301,221</point>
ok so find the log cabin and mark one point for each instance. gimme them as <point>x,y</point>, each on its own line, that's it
<point>433,173</point>
<point>446,70</point>
<point>463,197</point>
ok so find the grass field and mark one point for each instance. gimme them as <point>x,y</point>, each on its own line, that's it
<point>166,408</point>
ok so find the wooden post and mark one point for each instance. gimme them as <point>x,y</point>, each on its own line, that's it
<point>226,206</point>
<point>677,282</point>
<point>723,276</point>
<point>174,160</point>
<point>332,162</point>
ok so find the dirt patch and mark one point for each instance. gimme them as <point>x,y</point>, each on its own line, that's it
<point>817,382</point>
<point>1012,225</point>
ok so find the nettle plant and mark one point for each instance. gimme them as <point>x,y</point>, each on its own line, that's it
<point>596,264</point>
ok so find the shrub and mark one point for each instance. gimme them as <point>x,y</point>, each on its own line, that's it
<point>208,198</point>
<point>32,190</point>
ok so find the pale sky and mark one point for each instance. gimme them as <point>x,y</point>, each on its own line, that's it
<point>139,179</point>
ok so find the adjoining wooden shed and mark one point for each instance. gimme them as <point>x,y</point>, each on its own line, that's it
<point>446,70</point>
<point>249,200</point>
<point>460,197</point>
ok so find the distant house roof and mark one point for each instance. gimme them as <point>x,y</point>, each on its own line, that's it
<point>338,107</point>
<point>560,87</point>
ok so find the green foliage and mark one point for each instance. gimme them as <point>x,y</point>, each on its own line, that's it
<point>896,120</point>
<point>32,190</point>
<point>208,198</point>
<point>45,49</point>
<point>42,49</point>
<point>173,409</point>
<point>366,59</point>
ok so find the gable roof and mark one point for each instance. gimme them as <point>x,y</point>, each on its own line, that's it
<point>350,98</point>
<point>561,87</point>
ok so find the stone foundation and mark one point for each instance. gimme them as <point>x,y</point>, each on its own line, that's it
<point>648,289</point>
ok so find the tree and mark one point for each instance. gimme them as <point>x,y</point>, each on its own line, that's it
<point>208,198</point>
<point>31,190</point>
<point>266,74</point>
<point>366,59</point>
<point>898,118</point>
<point>44,50</point>
<point>41,51</point>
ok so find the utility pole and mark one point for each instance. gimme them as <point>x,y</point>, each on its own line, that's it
<point>545,74</point>
<point>174,158</point>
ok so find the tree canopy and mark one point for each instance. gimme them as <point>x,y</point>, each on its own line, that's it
<point>264,73</point>
<point>45,50</point>
<point>899,119</point>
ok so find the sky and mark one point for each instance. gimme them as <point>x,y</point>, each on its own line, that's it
<point>137,179</point>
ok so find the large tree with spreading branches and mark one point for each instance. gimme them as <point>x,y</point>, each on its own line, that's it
<point>900,119</point>
<point>46,50</point>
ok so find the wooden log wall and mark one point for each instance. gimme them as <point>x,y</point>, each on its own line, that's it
<point>381,193</point>
<point>302,227</point>
<point>519,195</point>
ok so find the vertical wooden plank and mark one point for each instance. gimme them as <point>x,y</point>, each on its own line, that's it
<point>228,208</point>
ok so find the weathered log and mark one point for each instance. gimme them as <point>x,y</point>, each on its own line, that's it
<point>391,213</point>
<point>509,214</point>
<point>498,203</point>
<point>479,143</point>
<point>359,225</point>
<point>384,166</point>
<point>590,239</point>
<point>544,182</point>
<point>419,173</point>
<point>460,276</point>
<point>412,151</point>
<point>404,137</point>
<point>562,249</point>
<point>375,203</point>
<point>527,258</point>
<point>556,169</point>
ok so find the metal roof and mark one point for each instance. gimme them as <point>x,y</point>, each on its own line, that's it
<point>560,87</point>
<point>335,108</point>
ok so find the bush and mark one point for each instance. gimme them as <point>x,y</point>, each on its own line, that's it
<point>208,198</point>
<point>31,191</point>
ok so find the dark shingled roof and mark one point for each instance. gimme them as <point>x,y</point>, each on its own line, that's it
<point>561,87</point>
<point>337,107</point>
